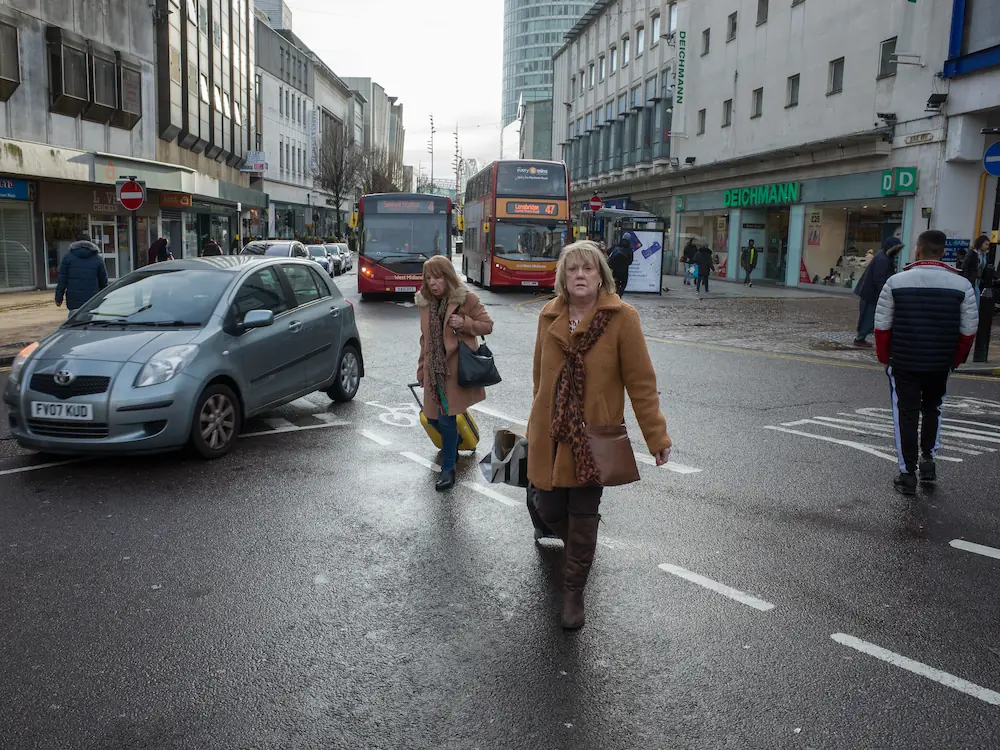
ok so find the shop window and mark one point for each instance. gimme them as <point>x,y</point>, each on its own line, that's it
<point>702,115</point>
<point>10,61</point>
<point>706,41</point>
<point>103,89</point>
<point>756,103</point>
<point>762,11</point>
<point>727,113</point>
<point>129,110</point>
<point>792,96</point>
<point>835,83</point>
<point>731,33</point>
<point>69,84</point>
<point>887,58</point>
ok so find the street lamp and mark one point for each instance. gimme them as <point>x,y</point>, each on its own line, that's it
<point>430,150</point>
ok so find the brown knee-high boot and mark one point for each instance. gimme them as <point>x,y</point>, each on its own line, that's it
<point>581,544</point>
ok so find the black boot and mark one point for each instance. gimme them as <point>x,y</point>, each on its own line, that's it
<point>928,470</point>
<point>446,481</point>
<point>581,544</point>
<point>906,484</point>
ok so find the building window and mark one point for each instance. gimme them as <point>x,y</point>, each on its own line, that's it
<point>887,58</point>
<point>701,121</point>
<point>655,39</point>
<point>218,99</point>
<point>731,28</point>
<point>103,89</point>
<point>706,41</point>
<point>672,15</point>
<point>757,103</point>
<point>288,104</point>
<point>69,80</point>
<point>281,155</point>
<point>614,60</point>
<point>601,67</point>
<point>227,105</point>
<point>835,84</point>
<point>640,41</point>
<point>637,97</point>
<point>727,113</point>
<point>590,122</point>
<point>797,2</point>
<point>281,100</point>
<point>237,114</point>
<point>590,75</point>
<point>792,97</point>
<point>129,104</point>
<point>622,101</point>
<point>10,62</point>
<point>762,12</point>
<point>203,88</point>
<point>626,50</point>
<point>572,85</point>
<point>609,111</point>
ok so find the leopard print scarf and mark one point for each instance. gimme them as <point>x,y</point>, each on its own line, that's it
<point>435,348</point>
<point>568,425</point>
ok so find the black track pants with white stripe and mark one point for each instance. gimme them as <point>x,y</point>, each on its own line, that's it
<point>916,394</point>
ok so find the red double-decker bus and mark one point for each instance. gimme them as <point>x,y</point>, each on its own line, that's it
<point>397,233</point>
<point>516,224</point>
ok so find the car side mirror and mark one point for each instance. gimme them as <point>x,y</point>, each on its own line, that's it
<point>257,319</point>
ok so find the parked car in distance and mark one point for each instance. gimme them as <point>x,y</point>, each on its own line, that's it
<point>318,253</point>
<point>345,254</point>
<point>182,353</point>
<point>276,249</point>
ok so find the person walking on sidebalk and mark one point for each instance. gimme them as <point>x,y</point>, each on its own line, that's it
<point>589,349</point>
<point>449,313</point>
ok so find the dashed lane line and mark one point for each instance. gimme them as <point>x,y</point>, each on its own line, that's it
<point>38,467</point>
<point>334,422</point>
<point>375,438</point>
<point>719,588</point>
<point>979,549</point>
<point>499,415</point>
<point>418,459</point>
<point>948,680</point>
<point>492,494</point>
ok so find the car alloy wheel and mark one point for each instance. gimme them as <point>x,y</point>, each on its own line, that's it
<point>345,387</point>
<point>218,422</point>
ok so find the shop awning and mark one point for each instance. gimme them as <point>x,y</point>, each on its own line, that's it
<point>619,213</point>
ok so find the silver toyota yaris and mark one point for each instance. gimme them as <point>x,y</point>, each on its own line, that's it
<point>181,353</point>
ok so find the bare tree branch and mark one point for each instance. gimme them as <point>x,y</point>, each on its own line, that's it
<point>382,172</point>
<point>341,166</point>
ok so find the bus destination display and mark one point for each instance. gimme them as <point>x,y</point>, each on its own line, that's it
<point>406,207</point>
<point>532,208</point>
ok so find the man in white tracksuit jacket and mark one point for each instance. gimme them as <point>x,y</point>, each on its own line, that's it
<point>925,325</point>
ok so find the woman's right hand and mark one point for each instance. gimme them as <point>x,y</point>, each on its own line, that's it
<point>662,457</point>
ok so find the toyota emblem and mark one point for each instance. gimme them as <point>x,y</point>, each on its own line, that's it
<point>64,377</point>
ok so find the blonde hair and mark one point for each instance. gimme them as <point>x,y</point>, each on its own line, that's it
<point>588,252</point>
<point>440,267</point>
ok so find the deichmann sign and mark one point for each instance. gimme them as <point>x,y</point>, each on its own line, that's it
<point>899,180</point>
<point>681,61</point>
<point>763,195</point>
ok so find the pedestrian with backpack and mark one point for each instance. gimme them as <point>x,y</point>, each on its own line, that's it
<point>450,314</point>
<point>925,325</point>
<point>619,260</point>
<point>588,350</point>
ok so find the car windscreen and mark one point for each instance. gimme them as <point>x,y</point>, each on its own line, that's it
<point>317,251</point>
<point>256,249</point>
<point>532,240</point>
<point>332,249</point>
<point>176,297</point>
<point>405,236</point>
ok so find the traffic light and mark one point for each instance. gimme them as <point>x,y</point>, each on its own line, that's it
<point>289,219</point>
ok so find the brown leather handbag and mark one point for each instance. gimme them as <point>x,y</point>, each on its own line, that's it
<point>613,455</point>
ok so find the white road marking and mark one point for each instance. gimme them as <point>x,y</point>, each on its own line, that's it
<point>375,438</point>
<point>302,403</point>
<point>325,416</point>
<point>295,428</point>
<point>979,549</point>
<point>279,423</point>
<point>720,588</point>
<point>886,431</point>
<point>37,467</point>
<point>492,494</point>
<point>948,680</point>
<point>645,458</point>
<point>426,463</point>
<point>499,415</point>
<point>848,443</point>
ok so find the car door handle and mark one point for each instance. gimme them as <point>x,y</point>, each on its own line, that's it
<point>295,326</point>
<point>334,312</point>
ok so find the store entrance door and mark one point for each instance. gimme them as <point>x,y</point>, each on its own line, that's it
<point>104,234</point>
<point>777,244</point>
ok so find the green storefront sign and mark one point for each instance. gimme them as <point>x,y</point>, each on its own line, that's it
<point>764,195</point>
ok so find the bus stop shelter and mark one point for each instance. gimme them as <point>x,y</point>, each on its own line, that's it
<point>648,236</point>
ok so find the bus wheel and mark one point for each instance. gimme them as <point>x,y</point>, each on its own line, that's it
<point>365,297</point>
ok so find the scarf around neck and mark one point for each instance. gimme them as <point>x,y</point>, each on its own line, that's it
<point>568,425</point>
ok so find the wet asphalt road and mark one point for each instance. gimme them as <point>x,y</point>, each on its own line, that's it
<point>313,591</point>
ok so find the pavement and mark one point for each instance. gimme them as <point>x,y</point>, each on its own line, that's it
<point>26,317</point>
<point>767,589</point>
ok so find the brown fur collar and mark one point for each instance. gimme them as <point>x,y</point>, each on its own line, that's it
<point>457,298</point>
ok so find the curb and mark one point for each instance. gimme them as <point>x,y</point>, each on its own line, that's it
<point>986,372</point>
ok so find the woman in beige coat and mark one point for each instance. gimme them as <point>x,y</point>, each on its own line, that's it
<point>589,350</point>
<point>449,313</point>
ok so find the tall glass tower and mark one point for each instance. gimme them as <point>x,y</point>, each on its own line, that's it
<point>533,32</point>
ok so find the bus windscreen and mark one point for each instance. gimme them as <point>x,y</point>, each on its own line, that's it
<point>528,240</point>
<point>524,180</point>
<point>407,235</point>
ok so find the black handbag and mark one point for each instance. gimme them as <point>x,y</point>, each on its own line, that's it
<point>476,369</point>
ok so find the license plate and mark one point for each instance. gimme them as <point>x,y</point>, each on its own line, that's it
<point>63,412</point>
<point>529,283</point>
<point>406,289</point>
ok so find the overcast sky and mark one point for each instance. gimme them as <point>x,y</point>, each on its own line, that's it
<point>440,57</point>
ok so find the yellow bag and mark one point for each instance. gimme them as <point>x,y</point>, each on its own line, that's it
<point>468,430</point>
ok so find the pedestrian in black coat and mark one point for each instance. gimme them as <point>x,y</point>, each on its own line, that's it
<point>82,274</point>
<point>620,259</point>
<point>706,264</point>
<point>881,267</point>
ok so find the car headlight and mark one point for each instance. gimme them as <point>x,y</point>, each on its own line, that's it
<point>20,361</point>
<point>166,363</point>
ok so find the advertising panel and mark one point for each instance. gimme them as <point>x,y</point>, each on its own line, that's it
<point>644,275</point>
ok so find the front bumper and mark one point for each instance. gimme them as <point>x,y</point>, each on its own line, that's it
<point>125,419</point>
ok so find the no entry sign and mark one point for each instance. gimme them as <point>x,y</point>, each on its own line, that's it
<point>596,204</point>
<point>131,194</point>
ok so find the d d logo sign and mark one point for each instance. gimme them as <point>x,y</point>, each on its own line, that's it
<point>899,180</point>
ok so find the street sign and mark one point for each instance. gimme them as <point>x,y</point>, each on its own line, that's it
<point>991,160</point>
<point>596,204</point>
<point>131,194</point>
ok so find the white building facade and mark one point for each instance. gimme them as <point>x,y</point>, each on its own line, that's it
<point>815,129</point>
